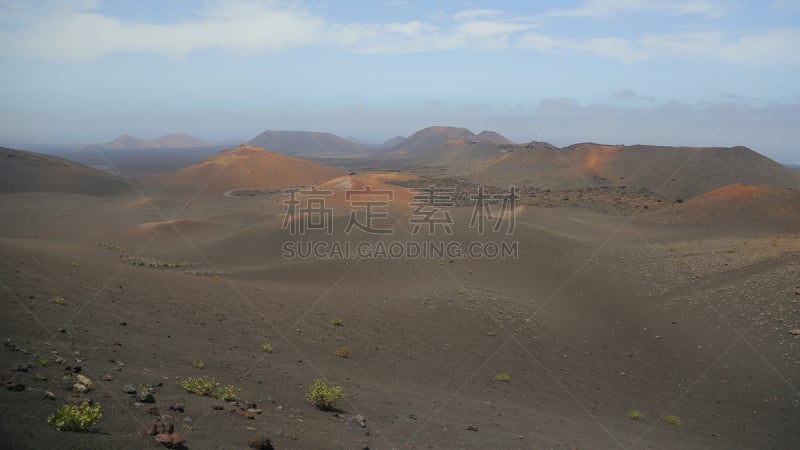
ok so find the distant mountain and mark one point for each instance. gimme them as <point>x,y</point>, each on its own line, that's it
<point>306,143</point>
<point>673,172</point>
<point>493,136</point>
<point>362,142</point>
<point>243,167</point>
<point>22,171</point>
<point>430,138</point>
<point>397,140</point>
<point>127,142</point>
<point>452,147</point>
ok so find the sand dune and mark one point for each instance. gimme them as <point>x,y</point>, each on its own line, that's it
<point>22,171</point>
<point>245,167</point>
<point>735,206</point>
<point>184,226</point>
<point>673,172</point>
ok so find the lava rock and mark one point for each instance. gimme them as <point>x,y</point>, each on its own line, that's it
<point>260,442</point>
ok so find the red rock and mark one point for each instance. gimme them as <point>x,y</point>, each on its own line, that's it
<point>170,440</point>
<point>244,413</point>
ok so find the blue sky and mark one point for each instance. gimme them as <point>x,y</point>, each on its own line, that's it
<point>672,72</point>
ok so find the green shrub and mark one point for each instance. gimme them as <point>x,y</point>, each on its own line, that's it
<point>199,365</point>
<point>502,377</point>
<point>75,417</point>
<point>673,420</point>
<point>337,322</point>
<point>323,396</point>
<point>635,415</point>
<point>227,393</point>
<point>492,333</point>
<point>43,362</point>
<point>200,385</point>
<point>58,300</point>
<point>266,347</point>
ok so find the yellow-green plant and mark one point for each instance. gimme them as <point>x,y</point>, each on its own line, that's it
<point>502,377</point>
<point>673,420</point>
<point>75,417</point>
<point>199,364</point>
<point>635,415</point>
<point>266,347</point>
<point>43,362</point>
<point>57,300</point>
<point>227,393</point>
<point>342,352</point>
<point>200,385</point>
<point>323,396</point>
<point>338,322</point>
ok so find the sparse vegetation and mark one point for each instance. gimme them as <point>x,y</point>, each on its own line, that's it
<point>266,347</point>
<point>635,415</point>
<point>342,352</point>
<point>74,264</point>
<point>227,393</point>
<point>200,385</point>
<point>337,322</point>
<point>208,386</point>
<point>75,417</point>
<point>323,396</point>
<point>673,420</point>
<point>502,377</point>
<point>43,361</point>
<point>461,292</point>
<point>58,300</point>
<point>492,333</point>
<point>199,365</point>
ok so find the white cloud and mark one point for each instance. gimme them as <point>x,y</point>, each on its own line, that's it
<point>475,13</point>
<point>73,30</point>
<point>769,48</point>
<point>81,35</point>
<point>603,8</point>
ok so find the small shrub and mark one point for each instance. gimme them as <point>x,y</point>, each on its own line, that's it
<point>342,352</point>
<point>502,377</point>
<point>200,385</point>
<point>75,417</point>
<point>337,322</point>
<point>266,347</point>
<point>461,292</point>
<point>74,264</point>
<point>323,396</point>
<point>43,362</point>
<point>199,365</point>
<point>227,393</point>
<point>492,333</point>
<point>58,300</point>
<point>673,420</point>
<point>635,415</point>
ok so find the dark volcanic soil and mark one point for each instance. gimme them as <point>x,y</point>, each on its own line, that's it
<point>597,317</point>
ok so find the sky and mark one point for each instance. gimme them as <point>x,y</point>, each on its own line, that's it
<point>669,72</point>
